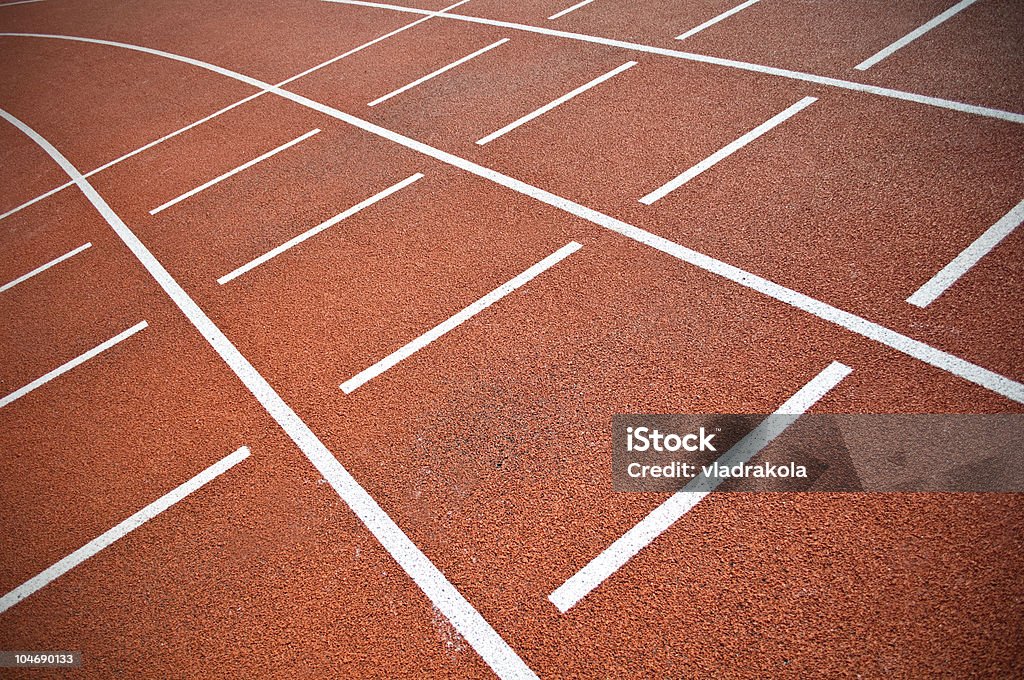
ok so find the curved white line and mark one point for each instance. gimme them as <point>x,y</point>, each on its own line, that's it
<point>990,380</point>
<point>148,50</point>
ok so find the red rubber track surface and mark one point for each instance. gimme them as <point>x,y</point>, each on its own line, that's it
<point>489,447</point>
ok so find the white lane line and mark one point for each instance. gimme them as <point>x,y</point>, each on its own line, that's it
<point>472,310</point>
<point>43,268</point>
<point>438,72</point>
<point>491,647</point>
<point>229,107</point>
<point>727,150</point>
<point>291,243</point>
<point>913,35</point>
<point>983,377</point>
<point>129,525</point>
<point>717,61</point>
<point>569,9</point>
<point>665,515</point>
<point>229,173</point>
<point>77,361</point>
<point>969,257</point>
<point>561,100</point>
<point>711,22</point>
<point>18,2</point>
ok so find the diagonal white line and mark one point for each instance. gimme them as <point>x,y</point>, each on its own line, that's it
<point>970,256</point>
<point>77,361</point>
<point>913,35</point>
<point>711,22</point>
<point>665,515</point>
<point>235,171</point>
<point>727,150</point>
<point>434,74</point>
<point>467,313</point>
<point>43,268</point>
<point>291,243</point>
<point>561,100</point>
<point>129,525</point>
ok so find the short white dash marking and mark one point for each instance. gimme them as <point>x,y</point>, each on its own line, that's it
<point>561,100</point>
<point>291,243</point>
<point>969,257</point>
<point>913,35</point>
<point>727,151</point>
<point>129,525</point>
<point>715,20</point>
<point>681,502</point>
<point>437,331</point>
<point>438,72</point>
<point>77,361</point>
<point>569,9</point>
<point>237,170</point>
<point>43,268</point>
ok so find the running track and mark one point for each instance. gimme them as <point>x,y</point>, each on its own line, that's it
<point>315,315</point>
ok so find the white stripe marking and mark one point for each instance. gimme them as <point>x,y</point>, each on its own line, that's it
<point>235,171</point>
<point>727,150</point>
<point>916,349</point>
<point>229,107</point>
<point>43,268</point>
<point>438,72</point>
<point>913,35</point>
<point>705,59</point>
<point>449,324</point>
<point>318,228</point>
<point>129,525</point>
<point>495,652</point>
<point>712,22</point>
<point>681,502</point>
<point>569,9</point>
<point>18,2</point>
<point>561,100</point>
<point>77,361</point>
<point>970,256</point>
